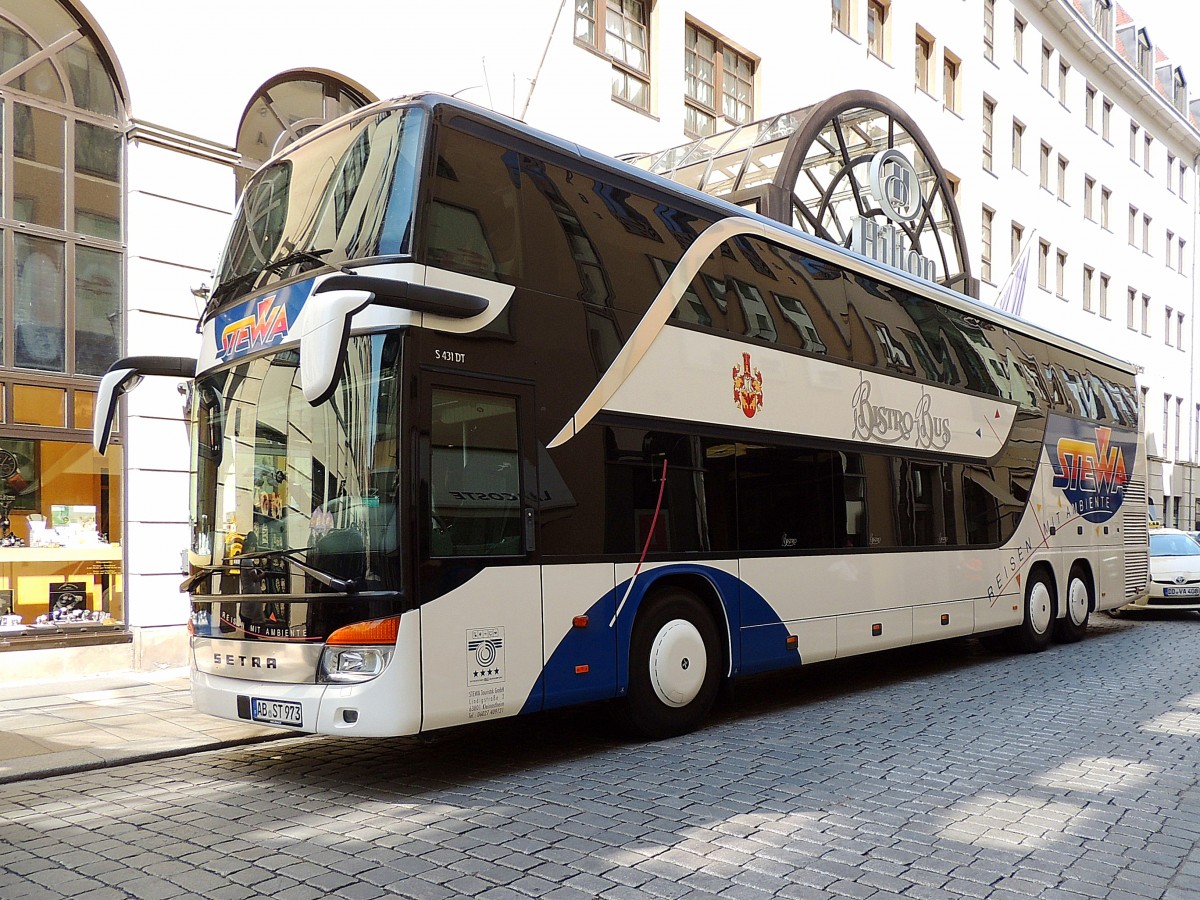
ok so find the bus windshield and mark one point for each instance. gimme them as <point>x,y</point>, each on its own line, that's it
<point>275,476</point>
<point>345,194</point>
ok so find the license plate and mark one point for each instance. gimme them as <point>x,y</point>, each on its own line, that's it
<point>1182,591</point>
<point>275,712</point>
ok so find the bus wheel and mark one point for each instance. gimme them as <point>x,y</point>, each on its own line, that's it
<point>674,666</point>
<point>1034,632</point>
<point>1071,627</point>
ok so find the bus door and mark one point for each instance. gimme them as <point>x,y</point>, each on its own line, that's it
<point>480,594</point>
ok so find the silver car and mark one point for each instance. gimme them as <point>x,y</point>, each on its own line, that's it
<point>1174,571</point>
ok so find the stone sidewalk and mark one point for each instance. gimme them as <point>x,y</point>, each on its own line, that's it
<point>56,727</point>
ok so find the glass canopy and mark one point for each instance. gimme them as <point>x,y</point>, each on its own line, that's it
<point>810,167</point>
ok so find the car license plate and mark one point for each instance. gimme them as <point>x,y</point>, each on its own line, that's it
<point>1182,591</point>
<point>275,712</point>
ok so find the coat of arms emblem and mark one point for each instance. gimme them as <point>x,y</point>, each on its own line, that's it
<point>747,387</point>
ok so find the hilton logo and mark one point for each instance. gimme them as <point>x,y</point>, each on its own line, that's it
<point>896,187</point>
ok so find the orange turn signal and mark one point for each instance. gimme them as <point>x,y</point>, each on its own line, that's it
<point>582,670</point>
<point>580,621</point>
<point>373,631</point>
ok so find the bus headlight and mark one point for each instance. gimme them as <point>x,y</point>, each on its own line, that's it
<point>358,652</point>
<point>349,664</point>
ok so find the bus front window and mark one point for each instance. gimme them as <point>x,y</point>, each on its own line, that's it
<point>276,480</point>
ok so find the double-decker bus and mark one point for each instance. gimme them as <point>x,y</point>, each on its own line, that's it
<point>485,423</point>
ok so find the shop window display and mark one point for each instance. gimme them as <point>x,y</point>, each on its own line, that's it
<point>60,551</point>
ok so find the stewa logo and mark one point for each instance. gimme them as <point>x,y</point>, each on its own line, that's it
<point>1090,466</point>
<point>254,332</point>
<point>259,323</point>
<point>889,425</point>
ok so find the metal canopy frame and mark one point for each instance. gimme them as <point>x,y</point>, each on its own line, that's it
<point>808,168</point>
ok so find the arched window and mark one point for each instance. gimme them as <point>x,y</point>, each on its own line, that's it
<point>286,108</point>
<point>61,213</point>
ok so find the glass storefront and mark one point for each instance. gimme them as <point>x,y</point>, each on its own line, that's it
<point>62,251</point>
<point>60,543</point>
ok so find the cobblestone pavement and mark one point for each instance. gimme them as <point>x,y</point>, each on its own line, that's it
<point>927,773</point>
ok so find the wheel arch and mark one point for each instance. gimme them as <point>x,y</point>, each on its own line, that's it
<point>1084,565</point>
<point>708,586</point>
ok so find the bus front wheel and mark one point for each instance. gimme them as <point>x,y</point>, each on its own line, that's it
<point>1036,628</point>
<point>674,666</point>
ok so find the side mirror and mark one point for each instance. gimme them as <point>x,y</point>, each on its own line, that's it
<point>327,315</point>
<point>122,377</point>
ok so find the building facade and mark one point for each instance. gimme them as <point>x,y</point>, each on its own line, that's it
<point>1063,139</point>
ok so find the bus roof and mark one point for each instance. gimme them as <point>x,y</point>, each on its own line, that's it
<point>829,251</point>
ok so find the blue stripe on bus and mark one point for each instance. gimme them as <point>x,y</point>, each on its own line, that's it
<point>759,644</point>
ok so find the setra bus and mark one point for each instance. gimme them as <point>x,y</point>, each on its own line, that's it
<point>485,423</point>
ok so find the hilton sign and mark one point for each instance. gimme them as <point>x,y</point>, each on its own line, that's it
<point>895,186</point>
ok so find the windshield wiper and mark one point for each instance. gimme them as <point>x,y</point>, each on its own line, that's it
<point>226,288</point>
<point>236,563</point>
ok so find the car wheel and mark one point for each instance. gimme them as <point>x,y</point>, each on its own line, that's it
<point>674,666</point>
<point>1036,628</point>
<point>1072,626</point>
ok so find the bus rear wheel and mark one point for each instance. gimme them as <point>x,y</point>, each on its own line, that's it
<point>1074,623</point>
<point>674,666</point>
<point>1036,628</point>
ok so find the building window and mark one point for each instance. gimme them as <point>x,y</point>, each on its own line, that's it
<point>1088,276</point>
<point>1179,330</point>
<point>1014,242</point>
<point>841,15</point>
<point>709,62</point>
<point>1145,315</point>
<point>1145,234</point>
<point>1044,167</point>
<point>1134,131</point>
<point>1019,41</point>
<point>1060,274</point>
<point>989,29</point>
<point>1089,191</point>
<point>1064,72</point>
<point>1018,138</point>
<point>1178,418</point>
<point>1103,296</point>
<point>1166,434</point>
<point>620,29</point>
<point>1106,120</point>
<point>1133,214</point>
<point>1148,143</point>
<point>1102,19</point>
<point>62,246</point>
<point>1047,58</point>
<point>1105,203</point>
<point>877,28</point>
<point>1182,244</point>
<point>950,69</point>
<point>1168,248</point>
<point>1044,265</point>
<point>1062,179</point>
<point>1167,320</point>
<point>1171,172</point>
<point>1182,176</point>
<point>1179,92</point>
<point>924,60</point>
<point>989,116</point>
<point>985,260</point>
<point>1145,54</point>
<point>1131,310</point>
<point>1089,107</point>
